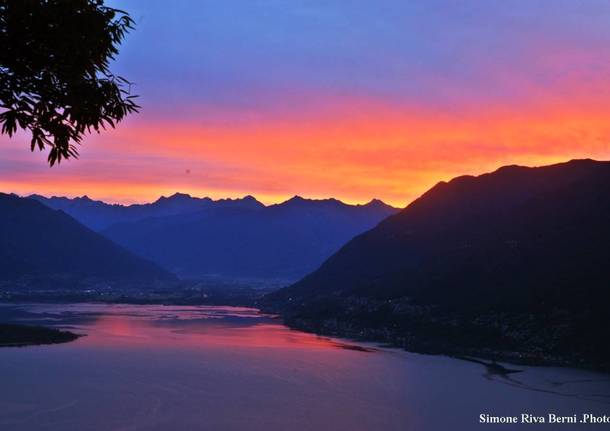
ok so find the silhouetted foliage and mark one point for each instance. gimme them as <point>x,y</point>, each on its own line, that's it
<point>55,79</point>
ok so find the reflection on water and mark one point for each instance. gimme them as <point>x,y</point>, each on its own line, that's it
<point>228,368</point>
<point>176,327</point>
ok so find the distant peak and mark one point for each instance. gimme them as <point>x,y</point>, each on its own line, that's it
<point>301,202</point>
<point>297,199</point>
<point>175,197</point>
<point>378,204</point>
<point>251,200</point>
<point>178,195</point>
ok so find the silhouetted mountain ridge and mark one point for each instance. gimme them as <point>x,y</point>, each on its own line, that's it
<point>50,248</point>
<point>99,215</point>
<point>506,254</point>
<point>280,241</point>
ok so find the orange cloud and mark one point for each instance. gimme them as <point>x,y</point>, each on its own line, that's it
<point>354,150</point>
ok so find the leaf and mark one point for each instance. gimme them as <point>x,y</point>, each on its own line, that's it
<point>55,79</point>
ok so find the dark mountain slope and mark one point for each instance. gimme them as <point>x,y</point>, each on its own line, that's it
<point>519,255</point>
<point>44,245</point>
<point>283,241</point>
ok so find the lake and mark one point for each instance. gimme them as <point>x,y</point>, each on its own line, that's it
<point>225,368</point>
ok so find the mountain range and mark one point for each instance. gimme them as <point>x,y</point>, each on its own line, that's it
<point>48,248</point>
<point>514,259</point>
<point>229,238</point>
<point>99,215</point>
<point>511,264</point>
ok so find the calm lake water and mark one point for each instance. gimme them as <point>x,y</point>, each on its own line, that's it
<point>225,368</point>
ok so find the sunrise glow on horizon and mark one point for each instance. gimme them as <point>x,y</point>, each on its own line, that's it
<point>352,100</point>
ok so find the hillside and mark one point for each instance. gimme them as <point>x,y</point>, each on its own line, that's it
<point>48,248</point>
<point>514,262</point>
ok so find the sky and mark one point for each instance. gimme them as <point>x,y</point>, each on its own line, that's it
<point>332,98</point>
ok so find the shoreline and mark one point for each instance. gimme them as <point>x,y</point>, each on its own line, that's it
<point>413,344</point>
<point>410,341</point>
